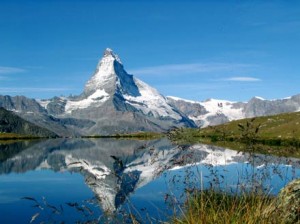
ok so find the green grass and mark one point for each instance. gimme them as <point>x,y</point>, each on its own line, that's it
<point>213,207</point>
<point>283,126</point>
<point>14,136</point>
<point>136,135</point>
<point>277,134</point>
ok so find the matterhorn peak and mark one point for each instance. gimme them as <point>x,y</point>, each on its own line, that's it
<point>109,53</point>
<point>110,76</point>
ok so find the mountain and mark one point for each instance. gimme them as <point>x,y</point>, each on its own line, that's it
<point>214,112</point>
<point>11,123</point>
<point>118,102</point>
<point>32,111</point>
<point>113,101</point>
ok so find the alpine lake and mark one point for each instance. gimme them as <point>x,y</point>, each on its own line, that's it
<point>116,180</point>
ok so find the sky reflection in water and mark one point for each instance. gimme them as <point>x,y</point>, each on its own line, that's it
<point>78,179</point>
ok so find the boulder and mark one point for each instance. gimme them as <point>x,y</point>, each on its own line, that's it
<point>286,206</point>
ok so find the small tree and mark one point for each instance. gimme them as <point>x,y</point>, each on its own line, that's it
<point>249,133</point>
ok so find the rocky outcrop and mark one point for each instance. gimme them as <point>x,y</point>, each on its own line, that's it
<point>286,207</point>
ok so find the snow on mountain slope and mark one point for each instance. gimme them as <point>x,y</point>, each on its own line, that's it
<point>214,112</point>
<point>211,109</point>
<point>111,76</point>
<point>105,72</point>
<point>217,107</point>
<point>96,99</point>
<point>111,81</point>
<point>43,103</point>
<point>115,101</point>
<point>151,102</point>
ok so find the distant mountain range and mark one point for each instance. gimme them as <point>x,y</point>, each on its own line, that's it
<point>114,101</point>
<point>214,112</point>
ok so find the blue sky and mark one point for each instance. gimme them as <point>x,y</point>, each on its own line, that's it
<point>190,49</point>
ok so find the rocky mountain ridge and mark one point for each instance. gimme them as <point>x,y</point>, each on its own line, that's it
<point>11,123</point>
<point>114,101</point>
<point>214,112</point>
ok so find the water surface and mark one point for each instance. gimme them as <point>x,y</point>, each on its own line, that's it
<point>102,180</point>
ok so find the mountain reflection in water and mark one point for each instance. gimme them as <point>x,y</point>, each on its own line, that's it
<point>117,171</point>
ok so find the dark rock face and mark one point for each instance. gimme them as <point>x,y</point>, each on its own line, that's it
<point>56,106</point>
<point>257,107</point>
<point>11,123</point>
<point>188,108</point>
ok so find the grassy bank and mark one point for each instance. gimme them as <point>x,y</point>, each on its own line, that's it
<point>278,135</point>
<point>282,126</point>
<point>14,136</point>
<point>137,135</point>
<point>212,207</point>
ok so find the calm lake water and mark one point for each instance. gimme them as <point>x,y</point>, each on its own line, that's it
<point>102,180</point>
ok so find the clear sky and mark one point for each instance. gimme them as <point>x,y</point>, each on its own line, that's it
<point>189,49</point>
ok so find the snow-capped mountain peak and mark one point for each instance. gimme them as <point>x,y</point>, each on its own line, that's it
<point>258,98</point>
<point>113,101</point>
<point>210,111</point>
<point>104,73</point>
<point>109,53</point>
<point>111,77</point>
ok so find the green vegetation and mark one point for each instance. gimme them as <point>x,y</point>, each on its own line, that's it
<point>14,136</point>
<point>282,126</point>
<point>137,135</point>
<point>213,207</point>
<point>210,206</point>
<point>9,135</point>
<point>277,134</point>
